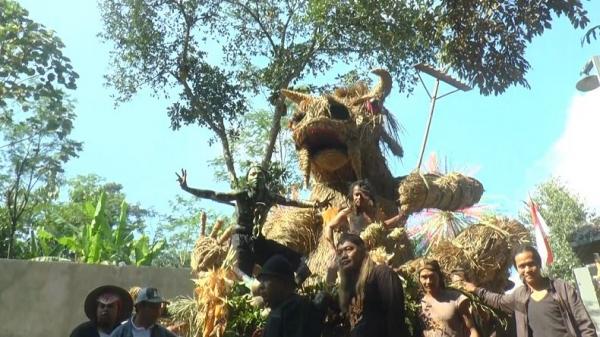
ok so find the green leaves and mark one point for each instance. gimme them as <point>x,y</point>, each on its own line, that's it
<point>146,252</point>
<point>36,146</point>
<point>564,213</point>
<point>592,33</point>
<point>32,65</point>
<point>98,242</point>
<point>35,119</point>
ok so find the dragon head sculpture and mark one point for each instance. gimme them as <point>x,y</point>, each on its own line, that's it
<point>337,135</point>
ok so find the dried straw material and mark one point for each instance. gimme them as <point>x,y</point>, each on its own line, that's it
<point>409,268</point>
<point>211,290</point>
<point>483,250</point>
<point>209,252</point>
<point>380,256</point>
<point>395,243</point>
<point>134,291</point>
<point>445,192</point>
<point>183,313</point>
<point>296,228</point>
<point>399,245</point>
<point>374,235</point>
<point>322,257</point>
<point>203,223</point>
<point>224,238</point>
<point>216,228</point>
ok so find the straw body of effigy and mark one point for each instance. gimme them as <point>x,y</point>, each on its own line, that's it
<point>211,291</point>
<point>448,192</point>
<point>391,245</point>
<point>210,251</point>
<point>483,250</point>
<point>296,228</point>
<point>183,314</point>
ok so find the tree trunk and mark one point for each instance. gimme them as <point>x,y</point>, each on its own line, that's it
<point>280,110</point>
<point>11,233</point>
<point>229,163</point>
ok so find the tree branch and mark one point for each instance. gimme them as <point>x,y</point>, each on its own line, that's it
<point>219,127</point>
<point>260,24</point>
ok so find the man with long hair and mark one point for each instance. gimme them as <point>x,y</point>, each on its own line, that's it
<point>370,295</point>
<point>252,204</point>
<point>361,212</point>
<point>543,307</point>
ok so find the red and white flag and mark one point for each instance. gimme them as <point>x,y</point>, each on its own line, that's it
<point>541,231</point>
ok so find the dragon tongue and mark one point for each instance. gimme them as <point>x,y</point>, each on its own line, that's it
<point>304,159</point>
<point>355,160</point>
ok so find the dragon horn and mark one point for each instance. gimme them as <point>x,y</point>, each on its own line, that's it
<point>384,86</point>
<point>295,96</point>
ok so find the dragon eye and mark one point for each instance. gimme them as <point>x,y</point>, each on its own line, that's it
<point>338,111</point>
<point>297,117</point>
<point>373,106</point>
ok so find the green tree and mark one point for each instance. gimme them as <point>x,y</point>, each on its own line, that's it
<point>32,65</point>
<point>35,121</point>
<point>100,242</point>
<point>88,188</point>
<point>248,151</point>
<point>564,213</point>
<point>68,217</point>
<point>271,45</point>
<point>181,228</point>
<point>37,145</point>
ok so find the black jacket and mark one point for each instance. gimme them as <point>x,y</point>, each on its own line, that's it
<point>575,316</point>
<point>296,317</point>
<point>85,329</point>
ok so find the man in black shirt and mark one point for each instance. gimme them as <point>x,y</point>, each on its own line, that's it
<point>370,295</point>
<point>291,314</point>
<point>106,307</point>
<point>542,306</point>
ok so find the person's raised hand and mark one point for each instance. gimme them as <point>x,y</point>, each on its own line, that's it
<point>324,203</point>
<point>182,179</point>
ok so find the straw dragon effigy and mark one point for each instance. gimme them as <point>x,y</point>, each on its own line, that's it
<point>339,138</point>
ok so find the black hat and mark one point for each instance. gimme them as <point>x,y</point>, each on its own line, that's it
<point>91,301</point>
<point>277,266</point>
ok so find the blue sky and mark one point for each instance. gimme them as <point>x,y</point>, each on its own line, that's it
<point>509,142</point>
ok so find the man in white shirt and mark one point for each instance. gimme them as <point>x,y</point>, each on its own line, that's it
<point>148,305</point>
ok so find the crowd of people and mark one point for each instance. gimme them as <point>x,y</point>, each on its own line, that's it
<point>110,310</point>
<point>370,296</point>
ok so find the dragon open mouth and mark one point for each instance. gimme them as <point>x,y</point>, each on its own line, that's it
<point>318,139</point>
<point>323,143</point>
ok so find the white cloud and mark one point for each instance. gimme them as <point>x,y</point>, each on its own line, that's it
<point>575,157</point>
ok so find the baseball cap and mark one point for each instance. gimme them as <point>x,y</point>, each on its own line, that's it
<point>150,295</point>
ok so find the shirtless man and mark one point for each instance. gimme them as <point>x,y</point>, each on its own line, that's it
<point>360,214</point>
<point>355,218</point>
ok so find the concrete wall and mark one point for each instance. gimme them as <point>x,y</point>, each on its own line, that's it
<point>585,283</point>
<point>46,298</point>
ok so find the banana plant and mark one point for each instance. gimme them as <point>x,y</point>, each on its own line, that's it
<point>98,242</point>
